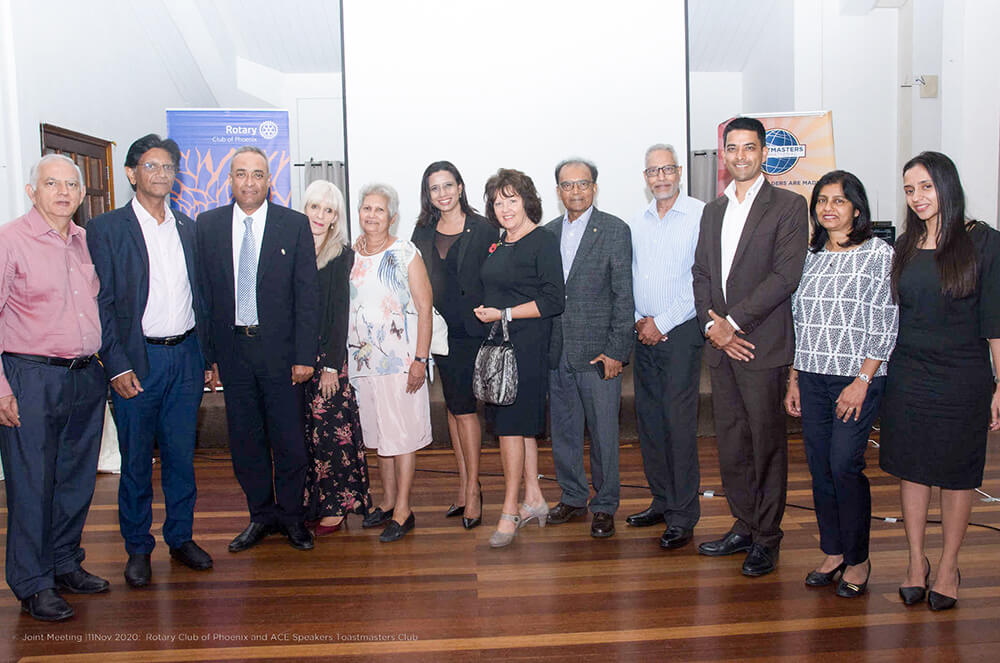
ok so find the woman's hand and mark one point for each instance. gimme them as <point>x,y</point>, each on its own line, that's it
<point>487,314</point>
<point>851,400</point>
<point>995,410</point>
<point>327,383</point>
<point>415,379</point>
<point>793,405</point>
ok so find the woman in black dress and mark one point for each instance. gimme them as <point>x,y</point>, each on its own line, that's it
<point>940,397</point>
<point>454,241</point>
<point>523,281</point>
<point>337,476</point>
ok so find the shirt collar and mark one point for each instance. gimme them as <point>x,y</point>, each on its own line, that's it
<point>145,217</point>
<point>259,216</point>
<point>584,218</point>
<point>681,206</point>
<point>751,193</point>
<point>39,226</point>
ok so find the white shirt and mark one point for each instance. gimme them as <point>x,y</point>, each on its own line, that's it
<point>259,218</point>
<point>733,222</point>
<point>169,310</point>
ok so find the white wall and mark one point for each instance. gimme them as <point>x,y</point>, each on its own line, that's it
<point>716,96</point>
<point>768,75</point>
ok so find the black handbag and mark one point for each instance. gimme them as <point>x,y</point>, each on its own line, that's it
<point>494,379</point>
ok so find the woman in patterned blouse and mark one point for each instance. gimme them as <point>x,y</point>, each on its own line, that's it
<point>845,329</point>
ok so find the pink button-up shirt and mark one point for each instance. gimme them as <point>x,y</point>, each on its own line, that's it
<point>48,292</point>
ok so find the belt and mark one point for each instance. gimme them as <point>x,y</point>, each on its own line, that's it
<point>252,330</point>
<point>74,363</point>
<point>170,340</point>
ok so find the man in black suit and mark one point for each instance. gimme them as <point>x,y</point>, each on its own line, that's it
<point>258,276</point>
<point>149,301</point>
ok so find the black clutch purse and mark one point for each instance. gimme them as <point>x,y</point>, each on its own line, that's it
<point>494,378</point>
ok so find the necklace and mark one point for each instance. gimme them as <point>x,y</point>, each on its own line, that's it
<point>371,252</point>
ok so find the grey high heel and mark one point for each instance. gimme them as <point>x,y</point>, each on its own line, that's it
<point>539,513</point>
<point>501,539</point>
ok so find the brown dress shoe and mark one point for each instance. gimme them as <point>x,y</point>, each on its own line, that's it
<point>563,513</point>
<point>602,526</point>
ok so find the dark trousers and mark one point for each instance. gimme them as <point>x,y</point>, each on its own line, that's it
<point>753,447</point>
<point>576,397</point>
<point>666,407</point>
<point>50,465</point>
<point>835,451</point>
<point>167,410</point>
<point>265,415</point>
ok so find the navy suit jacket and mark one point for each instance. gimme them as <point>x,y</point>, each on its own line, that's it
<point>122,262</point>
<point>287,295</point>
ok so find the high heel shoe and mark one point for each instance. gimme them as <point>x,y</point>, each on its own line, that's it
<point>912,595</point>
<point>500,539</point>
<point>936,601</point>
<point>849,590</point>
<point>539,512</point>
<point>469,523</point>
<point>454,511</point>
<point>821,579</point>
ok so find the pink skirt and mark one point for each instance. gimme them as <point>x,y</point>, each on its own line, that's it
<point>393,422</point>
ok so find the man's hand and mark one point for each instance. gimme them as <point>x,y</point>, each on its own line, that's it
<point>328,383</point>
<point>415,378</point>
<point>612,367</point>
<point>8,412</point>
<point>212,380</point>
<point>126,385</point>
<point>723,337</point>
<point>793,404</point>
<point>649,333</point>
<point>301,373</point>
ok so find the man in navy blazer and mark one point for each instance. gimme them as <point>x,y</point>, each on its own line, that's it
<point>258,277</point>
<point>149,302</point>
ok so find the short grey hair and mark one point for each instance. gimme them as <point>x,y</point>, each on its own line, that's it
<point>657,147</point>
<point>250,148</point>
<point>49,158</point>
<point>577,161</point>
<point>384,190</point>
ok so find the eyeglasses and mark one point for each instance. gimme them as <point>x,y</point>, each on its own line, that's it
<point>151,167</point>
<point>656,170</point>
<point>258,175</point>
<point>580,185</point>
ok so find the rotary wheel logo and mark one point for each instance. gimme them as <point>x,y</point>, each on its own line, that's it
<point>267,129</point>
<point>783,151</point>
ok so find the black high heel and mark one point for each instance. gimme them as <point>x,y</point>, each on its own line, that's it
<point>849,590</point>
<point>912,595</point>
<point>936,601</point>
<point>469,523</point>
<point>820,579</point>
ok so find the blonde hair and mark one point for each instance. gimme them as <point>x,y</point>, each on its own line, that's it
<point>326,193</point>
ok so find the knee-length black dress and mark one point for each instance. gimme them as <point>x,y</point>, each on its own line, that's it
<point>936,408</point>
<point>529,269</point>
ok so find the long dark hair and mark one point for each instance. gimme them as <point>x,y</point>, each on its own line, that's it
<point>429,215</point>
<point>955,255</point>
<point>854,191</point>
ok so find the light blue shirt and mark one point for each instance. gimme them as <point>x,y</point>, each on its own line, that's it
<point>662,257</point>
<point>569,241</point>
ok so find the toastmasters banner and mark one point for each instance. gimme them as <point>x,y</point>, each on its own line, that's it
<point>209,137</point>
<point>799,150</point>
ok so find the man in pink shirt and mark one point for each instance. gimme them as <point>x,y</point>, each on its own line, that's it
<point>52,391</point>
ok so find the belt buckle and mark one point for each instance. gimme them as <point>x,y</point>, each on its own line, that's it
<point>78,362</point>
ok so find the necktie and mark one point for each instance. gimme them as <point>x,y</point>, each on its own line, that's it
<point>246,280</point>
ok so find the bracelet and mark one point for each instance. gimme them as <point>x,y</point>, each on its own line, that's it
<point>327,369</point>
<point>507,314</point>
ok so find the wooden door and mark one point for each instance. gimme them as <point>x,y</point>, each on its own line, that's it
<point>93,156</point>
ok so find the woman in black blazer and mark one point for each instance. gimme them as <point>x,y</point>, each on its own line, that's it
<point>454,241</point>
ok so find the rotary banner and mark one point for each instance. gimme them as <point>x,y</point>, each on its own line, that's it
<point>208,139</point>
<point>799,150</point>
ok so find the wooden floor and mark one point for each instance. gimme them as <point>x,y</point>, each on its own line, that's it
<point>441,594</point>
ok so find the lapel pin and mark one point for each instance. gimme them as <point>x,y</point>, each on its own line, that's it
<point>282,252</point>
<point>594,229</point>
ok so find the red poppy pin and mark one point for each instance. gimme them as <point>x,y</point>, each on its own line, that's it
<point>493,247</point>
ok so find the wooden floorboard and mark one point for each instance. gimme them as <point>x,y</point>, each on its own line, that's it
<point>441,594</point>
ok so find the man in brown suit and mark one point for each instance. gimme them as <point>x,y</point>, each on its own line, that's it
<point>747,264</point>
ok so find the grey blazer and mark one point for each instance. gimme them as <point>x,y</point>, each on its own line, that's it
<point>600,314</point>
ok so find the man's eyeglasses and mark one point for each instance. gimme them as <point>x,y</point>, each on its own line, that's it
<point>582,185</point>
<point>656,170</point>
<point>151,167</point>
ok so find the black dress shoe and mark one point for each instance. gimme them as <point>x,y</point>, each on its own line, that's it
<point>563,513</point>
<point>602,526</point>
<point>394,531</point>
<point>936,601</point>
<point>81,582</point>
<point>760,561</point>
<point>675,537</point>
<point>47,606</point>
<point>821,579</point>
<point>470,523</point>
<point>849,590</point>
<point>913,595</point>
<point>730,544</point>
<point>299,537</point>
<point>454,511</point>
<point>137,570</point>
<point>192,556</point>
<point>251,536</point>
<point>645,518</point>
<point>377,518</point>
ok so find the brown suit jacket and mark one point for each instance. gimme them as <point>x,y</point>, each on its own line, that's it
<point>765,272</point>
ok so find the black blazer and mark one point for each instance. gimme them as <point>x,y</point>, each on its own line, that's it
<point>122,262</point>
<point>287,295</point>
<point>473,248</point>
<point>335,308</point>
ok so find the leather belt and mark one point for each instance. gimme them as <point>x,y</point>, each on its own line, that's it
<point>252,330</point>
<point>72,364</point>
<point>170,340</point>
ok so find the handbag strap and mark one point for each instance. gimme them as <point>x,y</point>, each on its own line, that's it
<point>502,322</point>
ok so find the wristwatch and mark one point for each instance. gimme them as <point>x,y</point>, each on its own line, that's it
<point>422,360</point>
<point>864,378</point>
<point>327,369</point>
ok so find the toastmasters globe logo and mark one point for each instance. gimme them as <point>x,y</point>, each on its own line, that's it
<point>783,151</point>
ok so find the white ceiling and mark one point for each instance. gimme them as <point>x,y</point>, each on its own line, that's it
<point>723,33</point>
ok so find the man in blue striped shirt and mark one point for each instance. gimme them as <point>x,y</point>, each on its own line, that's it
<point>668,354</point>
